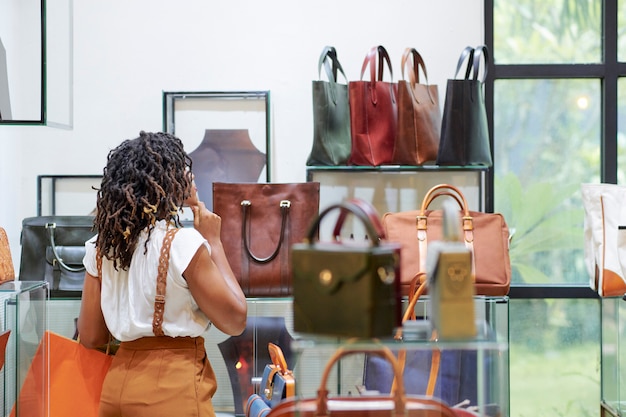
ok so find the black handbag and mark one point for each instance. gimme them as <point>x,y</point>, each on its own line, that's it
<point>331,114</point>
<point>53,248</point>
<point>344,289</point>
<point>464,129</point>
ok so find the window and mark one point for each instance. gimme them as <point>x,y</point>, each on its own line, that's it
<point>555,101</point>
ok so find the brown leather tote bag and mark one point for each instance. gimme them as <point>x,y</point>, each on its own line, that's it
<point>260,222</point>
<point>419,116</point>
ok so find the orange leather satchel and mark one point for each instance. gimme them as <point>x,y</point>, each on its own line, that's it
<point>486,234</point>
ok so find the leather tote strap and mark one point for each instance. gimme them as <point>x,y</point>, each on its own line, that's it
<point>370,60</point>
<point>347,207</point>
<point>480,52</point>
<point>246,205</point>
<point>331,69</point>
<point>413,61</point>
<point>330,53</point>
<point>161,282</point>
<point>467,53</point>
<point>422,220</point>
<point>51,227</point>
<point>366,208</point>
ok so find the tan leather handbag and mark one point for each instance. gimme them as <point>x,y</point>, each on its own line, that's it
<point>486,234</point>
<point>7,272</point>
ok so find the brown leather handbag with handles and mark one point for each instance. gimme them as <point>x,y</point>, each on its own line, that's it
<point>486,234</point>
<point>260,222</point>
<point>419,115</point>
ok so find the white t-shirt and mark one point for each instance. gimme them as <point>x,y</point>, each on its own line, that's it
<point>127,296</point>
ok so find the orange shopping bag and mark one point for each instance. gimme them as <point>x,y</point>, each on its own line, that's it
<point>64,380</point>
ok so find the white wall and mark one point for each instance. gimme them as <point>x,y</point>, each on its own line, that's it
<point>126,53</point>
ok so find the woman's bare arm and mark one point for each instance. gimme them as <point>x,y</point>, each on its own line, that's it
<point>92,329</point>
<point>211,279</point>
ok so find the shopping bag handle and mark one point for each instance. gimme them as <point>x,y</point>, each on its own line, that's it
<point>278,358</point>
<point>384,352</point>
<point>246,205</point>
<point>50,227</point>
<point>371,213</point>
<point>370,59</point>
<point>347,207</point>
<point>330,52</point>
<point>414,74</point>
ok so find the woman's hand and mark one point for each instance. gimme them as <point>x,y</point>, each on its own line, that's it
<point>207,223</point>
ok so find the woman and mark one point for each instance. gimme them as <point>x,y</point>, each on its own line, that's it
<point>161,368</point>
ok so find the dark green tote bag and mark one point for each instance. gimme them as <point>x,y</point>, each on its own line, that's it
<point>331,114</point>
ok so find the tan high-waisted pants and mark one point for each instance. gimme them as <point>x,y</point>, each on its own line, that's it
<point>159,377</point>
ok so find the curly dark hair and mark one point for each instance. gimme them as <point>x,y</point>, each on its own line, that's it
<point>146,179</point>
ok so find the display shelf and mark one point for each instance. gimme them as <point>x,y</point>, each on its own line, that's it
<point>482,363</point>
<point>394,188</point>
<point>613,356</point>
<point>271,319</point>
<point>24,313</point>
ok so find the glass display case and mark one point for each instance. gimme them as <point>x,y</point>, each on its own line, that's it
<point>613,356</point>
<point>240,360</point>
<point>24,313</point>
<point>395,188</point>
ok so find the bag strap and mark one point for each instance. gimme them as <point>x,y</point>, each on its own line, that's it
<point>480,52</point>
<point>422,220</point>
<point>467,53</point>
<point>50,227</point>
<point>370,212</point>
<point>161,282</point>
<point>330,52</point>
<point>398,395</point>
<point>246,205</point>
<point>280,367</point>
<point>347,207</point>
<point>370,59</point>
<point>414,71</point>
<point>418,286</point>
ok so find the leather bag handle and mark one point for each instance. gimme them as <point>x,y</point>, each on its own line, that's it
<point>330,53</point>
<point>370,59</point>
<point>466,53</point>
<point>246,205</point>
<point>50,227</point>
<point>421,221</point>
<point>368,209</point>
<point>384,352</point>
<point>347,207</point>
<point>480,52</point>
<point>414,61</point>
<point>277,357</point>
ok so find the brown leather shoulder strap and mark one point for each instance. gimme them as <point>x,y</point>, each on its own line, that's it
<point>99,264</point>
<point>159,299</point>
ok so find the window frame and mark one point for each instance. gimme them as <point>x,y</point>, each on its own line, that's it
<point>608,72</point>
